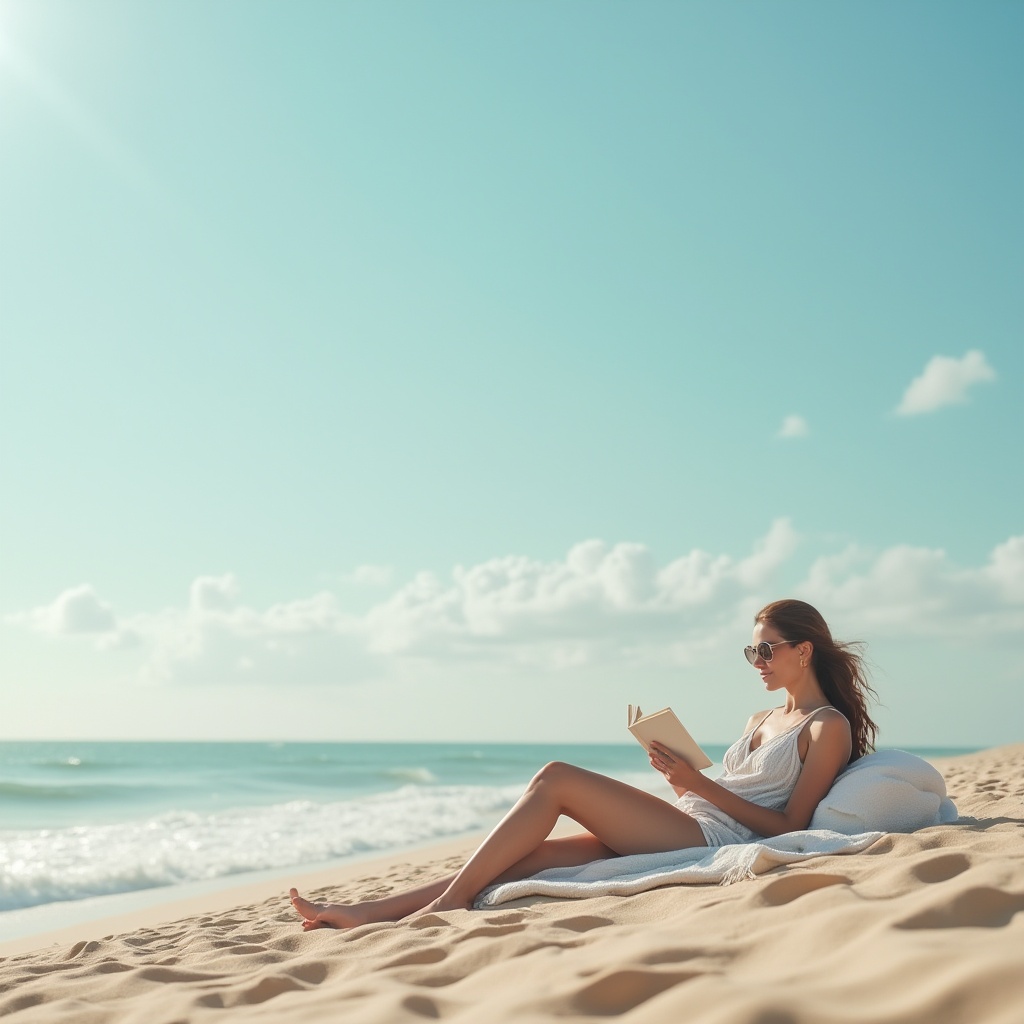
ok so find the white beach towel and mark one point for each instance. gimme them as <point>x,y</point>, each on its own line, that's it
<point>888,791</point>
<point>624,876</point>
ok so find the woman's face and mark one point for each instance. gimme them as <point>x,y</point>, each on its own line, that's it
<point>784,669</point>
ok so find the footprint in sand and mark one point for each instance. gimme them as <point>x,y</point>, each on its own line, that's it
<point>582,923</point>
<point>792,887</point>
<point>941,869</point>
<point>623,990</point>
<point>429,921</point>
<point>21,1003</point>
<point>166,974</point>
<point>211,1000</point>
<point>979,907</point>
<point>422,1006</point>
<point>671,956</point>
<point>509,917</point>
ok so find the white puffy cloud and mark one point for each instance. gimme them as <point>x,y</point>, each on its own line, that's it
<point>909,591</point>
<point>213,593</point>
<point>76,610</point>
<point>601,606</point>
<point>216,638</point>
<point>1006,569</point>
<point>604,601</point>
<point>770,552</point>
<point>945,381</point>
<point>794,425</point>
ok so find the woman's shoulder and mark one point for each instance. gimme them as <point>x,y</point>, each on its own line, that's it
<point>828,728</point>
<point>826,721</point>
<point>756,718</point>
<point>831,715</point>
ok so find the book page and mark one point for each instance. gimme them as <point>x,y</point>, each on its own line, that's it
<point>665,728</point>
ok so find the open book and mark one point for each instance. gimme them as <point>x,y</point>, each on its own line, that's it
<point>665,728</point>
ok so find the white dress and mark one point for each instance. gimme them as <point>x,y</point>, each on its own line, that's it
<point>764,776</point>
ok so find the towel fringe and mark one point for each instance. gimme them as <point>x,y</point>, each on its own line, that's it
<point>740,873</point>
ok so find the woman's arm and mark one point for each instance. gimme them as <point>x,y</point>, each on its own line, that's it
<point>828,751</point>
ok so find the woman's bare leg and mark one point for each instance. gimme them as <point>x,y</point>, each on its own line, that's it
<point>351,915</point>
<point>623,819</point>
<point>567,851</point>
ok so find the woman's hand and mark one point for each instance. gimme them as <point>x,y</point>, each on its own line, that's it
<point>678,773</point>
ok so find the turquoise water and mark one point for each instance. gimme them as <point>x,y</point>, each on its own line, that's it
<point>92,819</point>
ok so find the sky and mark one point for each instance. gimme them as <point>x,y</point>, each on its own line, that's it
<point>466,371</point>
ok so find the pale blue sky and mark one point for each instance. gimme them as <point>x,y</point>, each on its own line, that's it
<point>323,297</point>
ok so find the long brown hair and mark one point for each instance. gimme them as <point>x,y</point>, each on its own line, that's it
<point>839,666</point>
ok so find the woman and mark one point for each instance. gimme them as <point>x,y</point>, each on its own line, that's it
<point>775,775</point>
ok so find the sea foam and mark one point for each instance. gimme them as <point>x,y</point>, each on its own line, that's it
<point>40,866</point>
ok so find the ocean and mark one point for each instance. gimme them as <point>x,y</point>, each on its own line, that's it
<point>82,820</point>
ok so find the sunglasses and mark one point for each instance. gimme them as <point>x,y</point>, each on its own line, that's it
<point>764,650</point>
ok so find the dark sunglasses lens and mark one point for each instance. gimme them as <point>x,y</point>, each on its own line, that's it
<point>764,652</point>
<point>750,654</point>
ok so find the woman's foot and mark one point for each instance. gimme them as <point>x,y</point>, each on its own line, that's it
<point>328,915</point>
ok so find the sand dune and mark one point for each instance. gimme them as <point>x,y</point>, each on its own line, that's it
<point>919,928</point>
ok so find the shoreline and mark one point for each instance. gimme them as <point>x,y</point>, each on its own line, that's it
<point>148,908</point>
<point>105,916</point>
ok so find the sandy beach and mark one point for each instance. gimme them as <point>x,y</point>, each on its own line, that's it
<point>919,928</point>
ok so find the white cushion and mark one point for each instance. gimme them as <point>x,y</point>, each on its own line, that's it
<point>887,791</point>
